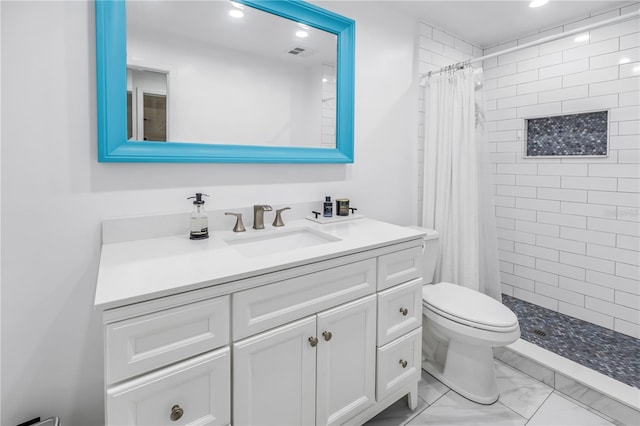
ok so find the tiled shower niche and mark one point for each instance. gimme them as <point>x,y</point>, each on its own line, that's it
<point>567,135</point>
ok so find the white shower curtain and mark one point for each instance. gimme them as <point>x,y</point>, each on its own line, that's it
<point>458,200</point>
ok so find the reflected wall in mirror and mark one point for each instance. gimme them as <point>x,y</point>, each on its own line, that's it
<point>274,85</point>
<point>228,63</point>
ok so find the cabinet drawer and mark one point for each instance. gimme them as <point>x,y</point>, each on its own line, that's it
<point>399,267</point>
<point>144,343</point>
<point>200,387</point>
<point>269,306</point>
<point>399,310</point>
<point>392,370</point>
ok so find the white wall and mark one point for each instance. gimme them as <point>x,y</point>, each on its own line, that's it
<point>213,90</point>
<point>55,193</point>
<point>569,228</point>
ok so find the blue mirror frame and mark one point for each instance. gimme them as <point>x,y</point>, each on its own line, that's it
<point>111,75</point>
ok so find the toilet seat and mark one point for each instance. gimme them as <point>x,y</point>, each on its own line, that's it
<point>468,307</point>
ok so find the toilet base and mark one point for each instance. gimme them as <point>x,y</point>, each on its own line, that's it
<point>471,376</point>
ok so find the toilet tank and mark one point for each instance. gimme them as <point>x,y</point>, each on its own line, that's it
<point>429,253</point>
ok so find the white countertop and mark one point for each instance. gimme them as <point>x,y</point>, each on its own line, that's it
<point>135,271</point>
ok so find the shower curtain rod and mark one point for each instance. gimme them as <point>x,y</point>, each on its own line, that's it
<point>553,37</point>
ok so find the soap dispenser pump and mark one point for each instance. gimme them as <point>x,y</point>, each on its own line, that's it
<point>199,219</point>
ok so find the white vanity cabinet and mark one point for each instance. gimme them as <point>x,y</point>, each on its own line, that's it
<point>328,340</point>
<point>318,370</point>
<point>171,366</point>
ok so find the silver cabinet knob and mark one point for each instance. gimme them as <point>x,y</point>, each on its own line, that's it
<point>404,311</point>
<point>313,342</point>
<point>327,335</point>
<point>403,363</point>
<point>176,413</point>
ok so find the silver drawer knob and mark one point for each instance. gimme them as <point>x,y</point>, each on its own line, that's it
<point>404,311</point>
<point>176,413</point>
<point>327,335</point>
<point>403,363</point>
<point>313,342</point>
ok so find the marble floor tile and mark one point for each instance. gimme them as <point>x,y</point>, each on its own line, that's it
<point>430,389</point>
<point>519,392</point>
<point>453,409</point>
<point>557,410</point>
<point>397,414</point>
<point>527,366</point>
<point>596,401</point>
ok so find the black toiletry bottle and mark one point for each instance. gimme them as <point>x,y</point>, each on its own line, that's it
<point>327,211</point>
<point>199,219</point>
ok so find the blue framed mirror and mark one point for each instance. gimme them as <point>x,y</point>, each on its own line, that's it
<point>154,106</point>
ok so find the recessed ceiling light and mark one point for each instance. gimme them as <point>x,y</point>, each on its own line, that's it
<point>538,3</point>
<point>581,38</point>
<point>237,5</point>
<point>236,13</point>
<point>624,61</point>
<point>302,34</point>
<point>303,26</point>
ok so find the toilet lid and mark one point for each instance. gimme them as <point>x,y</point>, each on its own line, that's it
<point>467,305</point>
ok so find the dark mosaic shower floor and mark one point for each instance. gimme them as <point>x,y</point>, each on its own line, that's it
<point>606,351</point>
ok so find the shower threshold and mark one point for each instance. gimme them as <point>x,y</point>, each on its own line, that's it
<point>599,392</point>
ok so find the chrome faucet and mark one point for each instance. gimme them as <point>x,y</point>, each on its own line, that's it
<point>258,215</point>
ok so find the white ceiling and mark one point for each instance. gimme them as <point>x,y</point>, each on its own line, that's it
<point>486,23</point>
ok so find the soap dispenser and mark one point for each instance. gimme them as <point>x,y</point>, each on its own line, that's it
<point>199,219</point>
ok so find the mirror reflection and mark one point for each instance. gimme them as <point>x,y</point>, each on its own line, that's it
<point>147,105</point>
<point>225,73</point>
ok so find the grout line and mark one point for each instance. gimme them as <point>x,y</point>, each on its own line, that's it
<point>586,407</point>
<point>540,406</point>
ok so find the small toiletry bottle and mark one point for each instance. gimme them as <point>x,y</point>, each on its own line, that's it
<point>199,219</point>
<point>327,211</point>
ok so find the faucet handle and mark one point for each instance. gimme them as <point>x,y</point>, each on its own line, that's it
<point>239,225</point>
<point>278,220</point>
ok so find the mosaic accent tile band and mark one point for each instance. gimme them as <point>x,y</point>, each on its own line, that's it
<point>567,135</point>
<point>605,351</point>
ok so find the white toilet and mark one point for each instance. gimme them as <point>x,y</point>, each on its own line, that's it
<point>460,328</point>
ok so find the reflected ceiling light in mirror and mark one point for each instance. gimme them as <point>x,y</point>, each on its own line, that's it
<point>623,61</point>
<point>237,5</point>
<point>302,34</point>
<point>582,38</point>
<point>236,13</point>
<point>538,3</point>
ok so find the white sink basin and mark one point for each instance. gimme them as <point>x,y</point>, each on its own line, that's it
<point>269,242</point>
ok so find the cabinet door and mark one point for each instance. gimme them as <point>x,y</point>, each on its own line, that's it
<point>274,377</point>
<point>192,392</point>
<point>346,361</point>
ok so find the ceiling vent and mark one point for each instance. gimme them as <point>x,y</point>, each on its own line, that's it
<point>297,50</point>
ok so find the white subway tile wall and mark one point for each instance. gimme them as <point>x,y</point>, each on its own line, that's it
<point>568,228</point>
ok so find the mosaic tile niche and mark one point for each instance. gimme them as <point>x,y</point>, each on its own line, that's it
<point>567,135</point>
